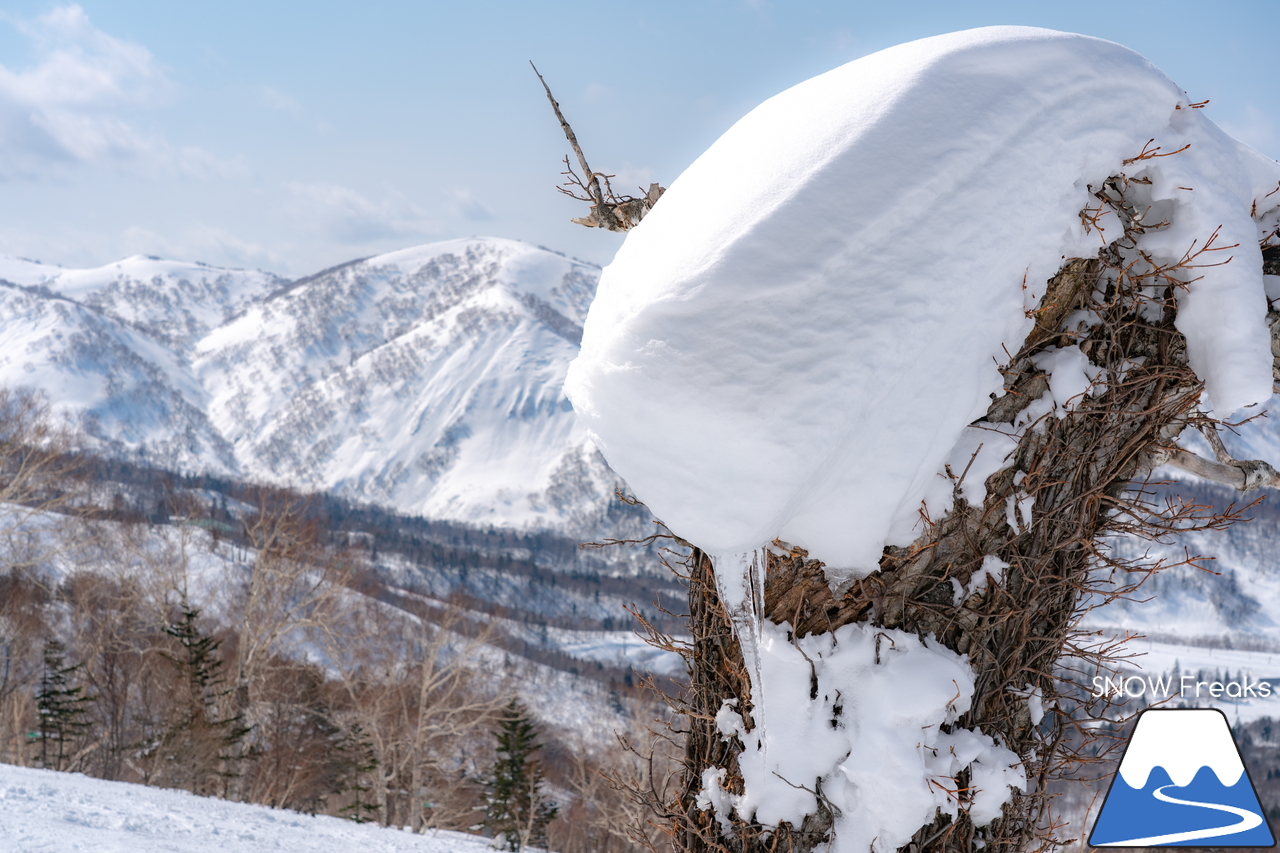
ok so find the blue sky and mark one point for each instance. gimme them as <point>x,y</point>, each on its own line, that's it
<point>293,136</point>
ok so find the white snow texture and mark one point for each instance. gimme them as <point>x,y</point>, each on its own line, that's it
<point>44,810</point>
<point>793,342</point>
<point>870,734</point>
<point>856,713</point>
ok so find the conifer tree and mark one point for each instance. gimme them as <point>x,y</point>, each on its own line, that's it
<point>61,707</point>
<point>361,763</point>
<point>517,814</point>
<point>200,744</point>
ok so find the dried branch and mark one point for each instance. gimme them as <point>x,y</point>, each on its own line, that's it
<point>608,211</point>
<point>1241,475</point>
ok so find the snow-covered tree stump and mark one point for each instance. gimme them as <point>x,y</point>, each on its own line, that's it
<point>987,585</point>
<point>897,381</point>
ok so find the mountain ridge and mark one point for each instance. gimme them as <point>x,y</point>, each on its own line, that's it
<point>425,379</point>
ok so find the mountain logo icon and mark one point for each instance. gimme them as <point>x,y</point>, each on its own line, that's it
<point>1181,783</point>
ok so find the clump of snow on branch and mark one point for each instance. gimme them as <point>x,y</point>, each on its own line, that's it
<point>795,341</point>
<point>855,717</point>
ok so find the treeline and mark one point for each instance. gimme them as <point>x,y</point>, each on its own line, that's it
<point>236,644</point>
<point>450,558</point>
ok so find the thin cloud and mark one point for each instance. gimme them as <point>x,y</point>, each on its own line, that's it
<point>470,208</point>
<point>200,243</point>
<point>345,216</point>
<point>282,101</point>
<point>596,93</point>
<point>68,106</point>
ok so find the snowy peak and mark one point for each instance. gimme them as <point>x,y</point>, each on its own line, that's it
<point>1182,742</point>
<point>172,302</point>
<point>428,379</point>
<point>532,274</point>
<point>134,396</point>
<point>26,273</point>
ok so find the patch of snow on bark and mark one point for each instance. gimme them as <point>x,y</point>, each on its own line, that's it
<point>856,716</point>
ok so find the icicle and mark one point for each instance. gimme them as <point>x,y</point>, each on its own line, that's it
<point>740,583</point>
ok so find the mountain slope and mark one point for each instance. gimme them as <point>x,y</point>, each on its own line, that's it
<point>426,380</point>
<point>133,396</point>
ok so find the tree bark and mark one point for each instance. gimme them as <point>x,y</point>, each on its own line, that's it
<point>1085,469</point>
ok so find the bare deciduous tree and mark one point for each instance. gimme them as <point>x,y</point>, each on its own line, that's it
<point>39,479</point>
<point>290,583</point>
<point>410,685</point>
<point>608,210</point>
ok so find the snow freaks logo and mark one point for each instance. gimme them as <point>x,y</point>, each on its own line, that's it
<point>1181,783</point>
<point>1162,687</point>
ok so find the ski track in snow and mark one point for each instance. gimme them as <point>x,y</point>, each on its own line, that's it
<point>1248,820</point>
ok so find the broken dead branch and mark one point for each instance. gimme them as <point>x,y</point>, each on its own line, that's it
<point>608,210</point>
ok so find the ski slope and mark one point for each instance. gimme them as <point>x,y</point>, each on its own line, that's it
<point>43,810</point>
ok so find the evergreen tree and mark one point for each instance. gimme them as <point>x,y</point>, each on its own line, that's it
<point>517,815</point>
<point>361,763</point>
<point>61,707</point>
<point>200,744</point>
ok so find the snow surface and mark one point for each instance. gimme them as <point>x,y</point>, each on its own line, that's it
<point>793,342</point>
<point>43,810</point>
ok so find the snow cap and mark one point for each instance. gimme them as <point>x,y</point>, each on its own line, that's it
<point>792,342</point>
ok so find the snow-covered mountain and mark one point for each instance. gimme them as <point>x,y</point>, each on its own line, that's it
<point>426,380</point>
<point>110,347</point>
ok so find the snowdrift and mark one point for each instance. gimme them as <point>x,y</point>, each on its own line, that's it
<point>70,813</point>
<point>792,342</point>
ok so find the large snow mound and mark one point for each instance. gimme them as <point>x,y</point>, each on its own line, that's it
<point>792,342</point>
<point>68,813</point>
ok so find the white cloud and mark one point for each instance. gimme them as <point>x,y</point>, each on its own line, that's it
<point>82,66</point>
<point>68,106</point>
<point>597,92</point>
<point>200,243</point>
<point>467,206</point>
<point>282,101</point>
<point>346,216</point>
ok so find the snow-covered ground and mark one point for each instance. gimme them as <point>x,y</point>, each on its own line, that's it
<point>43,811</point>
